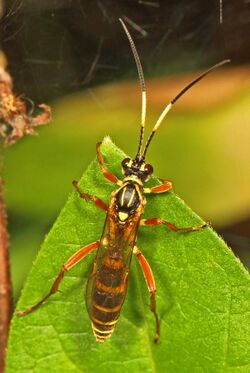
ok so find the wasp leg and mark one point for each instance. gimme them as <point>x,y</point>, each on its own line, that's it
<point>99,203</point>
<point>157,221</point>
<point>162,188</point>
<point>71,262</point>
<point>149,278</point>
<point>105,172</point>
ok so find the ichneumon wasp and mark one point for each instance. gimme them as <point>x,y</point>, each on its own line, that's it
<point>108,278</point>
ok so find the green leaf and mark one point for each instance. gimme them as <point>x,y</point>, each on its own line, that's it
<point>203,296</point>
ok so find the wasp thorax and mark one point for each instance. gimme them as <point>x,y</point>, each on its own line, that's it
<point>137,167</point>
<point>127,200</point>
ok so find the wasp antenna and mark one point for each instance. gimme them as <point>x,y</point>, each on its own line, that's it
<point>142,84</point>
<point>175,99</point>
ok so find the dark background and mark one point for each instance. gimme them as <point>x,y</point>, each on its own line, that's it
<point>51,44</point>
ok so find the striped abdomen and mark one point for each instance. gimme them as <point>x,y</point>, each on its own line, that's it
<point>109,290</point>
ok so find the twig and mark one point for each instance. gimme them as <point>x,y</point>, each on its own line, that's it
<point>5,281</point>
<point>15,122</point>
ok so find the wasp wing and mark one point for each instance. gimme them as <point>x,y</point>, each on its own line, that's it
<point>108,278</point>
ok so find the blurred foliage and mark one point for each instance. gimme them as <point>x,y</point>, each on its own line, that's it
<point>202,296</point>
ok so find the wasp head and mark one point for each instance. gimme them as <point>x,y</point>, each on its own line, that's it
<point>137,167</point>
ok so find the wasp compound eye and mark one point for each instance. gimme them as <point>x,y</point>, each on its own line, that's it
<point>125,162</point>
<point>148,169</point>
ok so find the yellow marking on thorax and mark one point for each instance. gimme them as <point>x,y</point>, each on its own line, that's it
<point>139,193</point>
<point>123,195</point>
<point>122,185</point>
<point>122,216</point>
<point>131,198</point>
<point>133,178</point>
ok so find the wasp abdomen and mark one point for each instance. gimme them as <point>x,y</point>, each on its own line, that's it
<point>108,296</point>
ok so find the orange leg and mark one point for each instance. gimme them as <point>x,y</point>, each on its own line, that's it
<point>71,262</point>
<point>162,188</point>
<point>99,203</point>
<point>149,277</point>
<point>157,221</point>
<point>105,172</point>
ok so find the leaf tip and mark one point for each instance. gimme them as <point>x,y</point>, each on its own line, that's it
<point>107,140</point>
